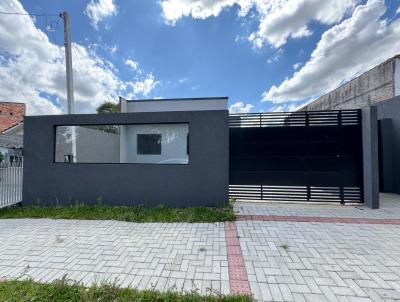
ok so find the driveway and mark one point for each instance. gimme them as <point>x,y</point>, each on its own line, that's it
<point>277,252</point>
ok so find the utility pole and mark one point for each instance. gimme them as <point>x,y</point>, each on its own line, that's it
<point>68,63</point>
<point>70,81</point>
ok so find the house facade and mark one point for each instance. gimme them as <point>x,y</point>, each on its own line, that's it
<point>191,152</point>
<point>139,156</point>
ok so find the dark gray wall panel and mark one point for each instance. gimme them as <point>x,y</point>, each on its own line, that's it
<point>390,109</point>
<point>370,157</point>
<point>204,181</point>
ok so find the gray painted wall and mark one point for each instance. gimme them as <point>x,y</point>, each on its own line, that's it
<point>182,104</point>
<point>370,88</point>
<point>389,114</point>
<point>370,157</point>
<point>204,181</point>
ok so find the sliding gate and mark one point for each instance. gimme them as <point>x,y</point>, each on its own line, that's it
<point>299,156</point>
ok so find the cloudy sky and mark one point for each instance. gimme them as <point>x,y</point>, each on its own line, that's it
<point>265,55</point>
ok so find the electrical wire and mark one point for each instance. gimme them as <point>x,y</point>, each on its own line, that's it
<point>37,15</point>
<point>48,27</point>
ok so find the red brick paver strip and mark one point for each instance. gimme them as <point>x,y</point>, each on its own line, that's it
<point>318,219</point>
<point>238,279</point>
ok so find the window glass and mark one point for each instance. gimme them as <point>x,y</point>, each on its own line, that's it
<point>139,143</point>
<point>149,144</point>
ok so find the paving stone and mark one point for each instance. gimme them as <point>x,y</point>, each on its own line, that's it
<point>139,255</point>
<point>276,260</point>
<point>323,261</point>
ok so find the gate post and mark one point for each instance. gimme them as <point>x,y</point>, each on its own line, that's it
<point>370,157</point>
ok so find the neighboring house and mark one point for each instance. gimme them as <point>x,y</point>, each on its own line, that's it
<point>11,131</point>
<point>17,129</point>
<point>11,115</point>
<point>11,148</point>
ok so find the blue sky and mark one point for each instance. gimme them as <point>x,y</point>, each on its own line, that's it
<point>264,55</point>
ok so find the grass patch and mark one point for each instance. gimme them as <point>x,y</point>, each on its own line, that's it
<point>61,290</point>
<point>285,247</point>
<point>124,213</point>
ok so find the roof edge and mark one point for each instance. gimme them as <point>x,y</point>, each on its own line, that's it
<point>181,99</point>
<point>10,102</point>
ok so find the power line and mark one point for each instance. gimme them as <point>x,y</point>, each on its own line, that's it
<point>37,15</point>
<point>50,28</point>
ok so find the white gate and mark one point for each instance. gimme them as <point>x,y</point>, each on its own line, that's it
<point>10,183</point>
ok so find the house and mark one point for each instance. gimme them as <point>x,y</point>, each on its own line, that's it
<point>191,152</point>
<point>11,148</point>
<point>12,117</point>
<point>171,151</point>
<point>11,131</point>
<point>17,129</point>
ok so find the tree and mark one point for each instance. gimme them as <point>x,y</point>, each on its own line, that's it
<point>108,107</point>
<point>2,157</point>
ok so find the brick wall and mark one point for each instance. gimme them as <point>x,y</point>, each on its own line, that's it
<point>11,114</point>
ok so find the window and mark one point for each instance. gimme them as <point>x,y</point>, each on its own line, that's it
<point>138,143</point>
<point>149,144</point>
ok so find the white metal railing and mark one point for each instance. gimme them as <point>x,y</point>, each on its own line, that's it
<point>10,183</point>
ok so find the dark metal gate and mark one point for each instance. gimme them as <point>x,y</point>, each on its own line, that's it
<point>299,156</point>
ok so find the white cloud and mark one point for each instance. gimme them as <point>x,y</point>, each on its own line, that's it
<point>173,10</point>
<point>278,19</point>
<point>240,107</point>
<point>32,69</point>
<point>132,64</point>
<point>297,65</point>
<point>113,49</point>
<point>398,10</point>
<point>98,11</point>
<point>280,108</point>
<point>143,87</point>
<point>355,45</point>
<point>276,57</point>
<point>287,107</point>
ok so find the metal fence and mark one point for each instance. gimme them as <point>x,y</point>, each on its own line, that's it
<point>296,119</point>
<point>10,183</point>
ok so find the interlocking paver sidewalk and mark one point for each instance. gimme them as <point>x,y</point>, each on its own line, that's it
<point>300,261</point>
<point>180,256</point>
<point>390,208</point>
<point>285,259</point>
<point>320,261</point>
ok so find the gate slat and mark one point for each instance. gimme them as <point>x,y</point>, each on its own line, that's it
<point>278,155</point>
